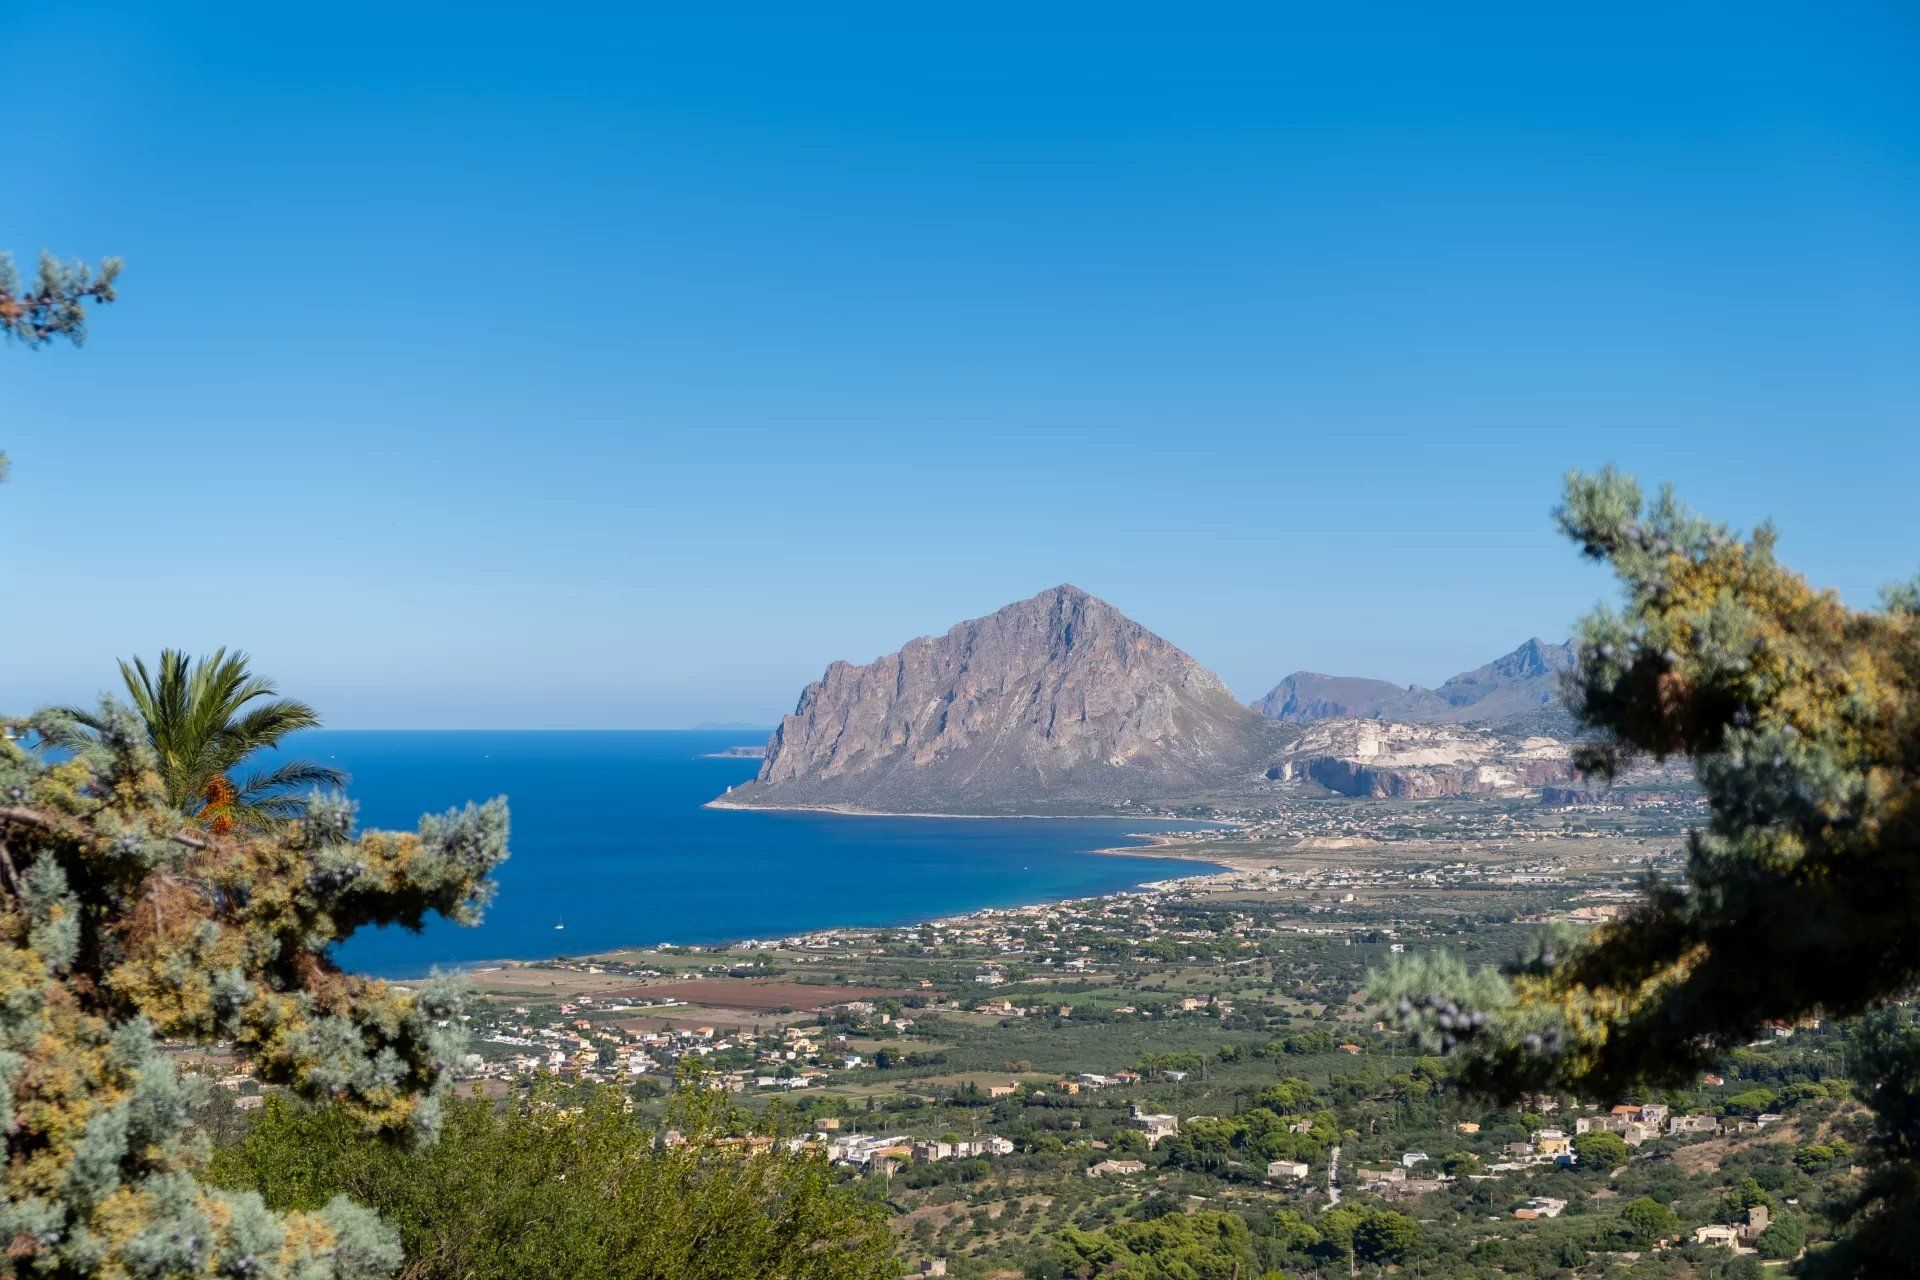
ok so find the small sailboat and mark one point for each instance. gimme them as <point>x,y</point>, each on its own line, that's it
<point>560,924</point>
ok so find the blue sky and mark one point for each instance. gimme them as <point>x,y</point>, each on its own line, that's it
<point>492,366</point>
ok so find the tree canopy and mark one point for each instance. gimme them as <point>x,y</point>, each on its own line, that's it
<point>554,1185</point>
<point>1200,1246</point>
<point>1367,1233</point>
<point>1801,719</point>
<point>1601,1150</point>
<point>121,921</point>
<point>1649,1219</point>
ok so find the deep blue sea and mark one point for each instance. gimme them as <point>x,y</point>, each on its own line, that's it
<point>611,839</point>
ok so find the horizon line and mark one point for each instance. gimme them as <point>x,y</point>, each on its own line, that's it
<point>508,728</point>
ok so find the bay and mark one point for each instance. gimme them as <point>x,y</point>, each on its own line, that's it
<point>611,840</point>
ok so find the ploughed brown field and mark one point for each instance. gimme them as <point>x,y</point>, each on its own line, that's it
<point>752,993</point>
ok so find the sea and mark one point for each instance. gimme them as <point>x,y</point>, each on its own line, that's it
<point>613,847</point>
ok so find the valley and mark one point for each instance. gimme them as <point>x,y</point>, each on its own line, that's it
<point>1014,1081</point>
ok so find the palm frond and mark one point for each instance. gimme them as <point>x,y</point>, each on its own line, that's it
<point>259,787</point>
<point>265,725</point>
<point>70,728</point>
<point>206,716</point>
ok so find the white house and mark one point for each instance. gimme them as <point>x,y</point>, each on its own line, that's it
<point>1155,1127</point>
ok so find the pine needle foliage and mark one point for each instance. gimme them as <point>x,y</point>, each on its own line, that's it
<point>54,306</point>
<point>1801,719</point>
<point>122,923</point>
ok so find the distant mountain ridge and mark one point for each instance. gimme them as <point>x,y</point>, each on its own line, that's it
<point>1061,703</point>
<point>1056,700</point>
<point>1523,685</point>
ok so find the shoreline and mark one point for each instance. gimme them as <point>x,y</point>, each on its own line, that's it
<point>1146,887</point>
<point>856,811</point>
<point>1167,844</point>
<point>1156,846</point>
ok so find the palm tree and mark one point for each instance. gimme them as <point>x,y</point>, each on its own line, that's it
<point>202,727</point>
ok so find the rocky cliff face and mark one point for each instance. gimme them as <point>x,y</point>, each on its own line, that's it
<point>1057,702</point>
<point>1415,762</point>
<point>1522,685</point>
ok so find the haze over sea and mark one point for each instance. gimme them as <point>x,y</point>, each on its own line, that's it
<point>610,837</point>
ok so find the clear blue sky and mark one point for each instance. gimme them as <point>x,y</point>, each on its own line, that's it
<point>513,365</point>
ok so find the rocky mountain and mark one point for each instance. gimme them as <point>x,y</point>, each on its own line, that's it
<point>1522,686</point>
<point>1520,683</point>
<point>1057,702</point>
<point>1309,695</point>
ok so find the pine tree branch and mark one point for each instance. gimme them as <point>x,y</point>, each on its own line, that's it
<point>34,818</point>
<point>26,817</point>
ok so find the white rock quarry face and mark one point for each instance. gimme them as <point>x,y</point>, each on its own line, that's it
<point>1381,758</point>
<point>1400,745</point>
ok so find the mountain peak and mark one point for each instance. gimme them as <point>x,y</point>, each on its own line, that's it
<point>1533,660</point>
<point>1066,596</point>
<point>1059,699</point>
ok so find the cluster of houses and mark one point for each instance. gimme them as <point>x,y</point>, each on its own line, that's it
<point>1076,937</point>
<point>1404,1178</point>
<point>889,1154</point>
<point>1543,1146</point>
<point>1210,1005</point>
<point>609,1051</point>
<point>1343,884</point>
<point>1513,826</point>
<point>1277,1170</point>
<point>1085,1081</point>
<point>1637,1124</point>
<point>1049,935</point>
